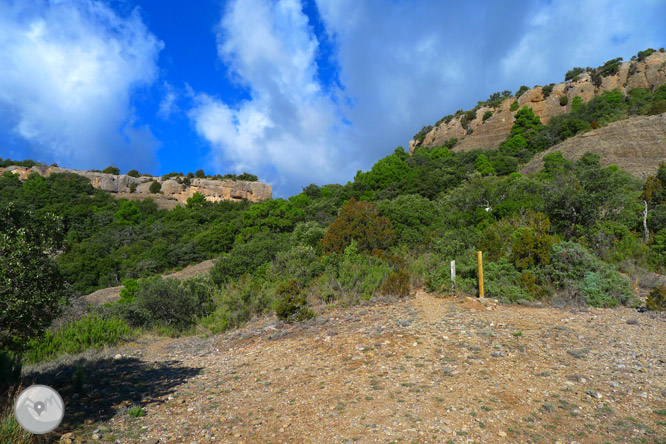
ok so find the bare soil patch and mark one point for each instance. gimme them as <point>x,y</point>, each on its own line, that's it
<point>425,370</point>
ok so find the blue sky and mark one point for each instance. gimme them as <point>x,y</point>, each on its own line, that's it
<point>297,92</point>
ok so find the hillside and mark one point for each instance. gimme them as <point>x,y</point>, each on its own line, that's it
<point>477,133</point>
<point>172,193</point>
<point>637,145</point>
<point>426,370</point>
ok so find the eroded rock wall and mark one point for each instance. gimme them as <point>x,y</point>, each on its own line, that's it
<point>649,73</point>
<point>119,185</point>
<point>637,145</point>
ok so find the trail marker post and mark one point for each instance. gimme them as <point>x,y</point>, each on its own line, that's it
<point>479,256</point>
<point>453,274</point>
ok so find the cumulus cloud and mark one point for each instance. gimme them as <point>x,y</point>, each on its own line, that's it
<point>399,66</point>
<point>68,72</point>
<point>289,131</point>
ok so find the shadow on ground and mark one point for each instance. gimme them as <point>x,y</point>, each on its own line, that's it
<point>98,389</point>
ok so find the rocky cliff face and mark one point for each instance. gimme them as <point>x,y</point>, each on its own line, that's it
<point>172,192</point>
<point>649,73</point>
<point>637,145</point>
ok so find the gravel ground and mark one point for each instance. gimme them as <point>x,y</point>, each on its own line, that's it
<point>424,370</point>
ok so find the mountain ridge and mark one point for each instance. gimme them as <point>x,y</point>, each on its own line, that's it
<point>546,102</point>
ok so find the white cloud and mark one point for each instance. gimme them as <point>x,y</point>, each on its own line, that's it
<point>168,103</point>
<point>289,131</point>
<point>582,33</point>
<point>402,65</point>
<point>68,72</point>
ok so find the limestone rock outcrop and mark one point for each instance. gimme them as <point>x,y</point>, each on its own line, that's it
<point>637,145</point>
<point>172,192</point>
<point>649,74</point>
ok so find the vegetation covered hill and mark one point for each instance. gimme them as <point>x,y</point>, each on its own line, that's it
<point>488,124</point>
<point>576,233</point>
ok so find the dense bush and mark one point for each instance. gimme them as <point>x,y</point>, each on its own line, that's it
<point>573,74</point>
<point>420,136</point>
<point>574,270</point>
<point>522,90</point>
<point>111,170</point>
<point>246,256</point>
<point>155,187</point>
<point>564,100</point>
<point>167,303</point>
<point>88,332</point>
<point>32,291</point>
<point>359,222</point>
<point>656,300</point>
<point>133,173</point>
<point>291,304</point>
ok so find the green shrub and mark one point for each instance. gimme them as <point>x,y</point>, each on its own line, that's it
<point>522,90</point>
<point>167,303</point>
<point>564,100</point>
<point>611,67</point>
<point>137,411</point>
<point>547,90</point>
<point>576,103</point>
<point>237,302</point>
<point>487,115</point>
<point>32,290</point>
<point>500,281</point>
<point>420,136</point>
<point>514,106</point>
<point>132,187</point>
<point>291,304</point>
<point>155,187</point>
<point>573,74</point>
<point>397,284</point>
<point>246,256</point>
<point>657,107</point>
<point>573,269</point>
<point>467,117</point>
<point>78,336</point>
<point>133,173</point>
<point>200,174</point>
<point>300,263</point>
<point>642,55</point>
<point>111,170</point>
<point>656,300</point>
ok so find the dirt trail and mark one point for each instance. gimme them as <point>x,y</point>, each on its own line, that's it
<point>425,370</point>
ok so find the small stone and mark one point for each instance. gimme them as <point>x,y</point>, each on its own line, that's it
<point>118,356</point>
<point>593,394</point>
<point>498,354</point>
<point>96,437</point>
<point>151,441</point>
<point>642,395</point>
<point>632,321</point>
<point>614,384</point>
<point>502,434</point>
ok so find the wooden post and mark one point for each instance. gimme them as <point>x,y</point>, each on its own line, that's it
<point>479,256</point>
<point>453,274</point>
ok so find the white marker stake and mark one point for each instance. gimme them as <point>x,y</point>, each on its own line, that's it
<point>453,273</point>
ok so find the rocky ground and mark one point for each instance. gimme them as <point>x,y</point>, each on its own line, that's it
<point>423,370</point>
